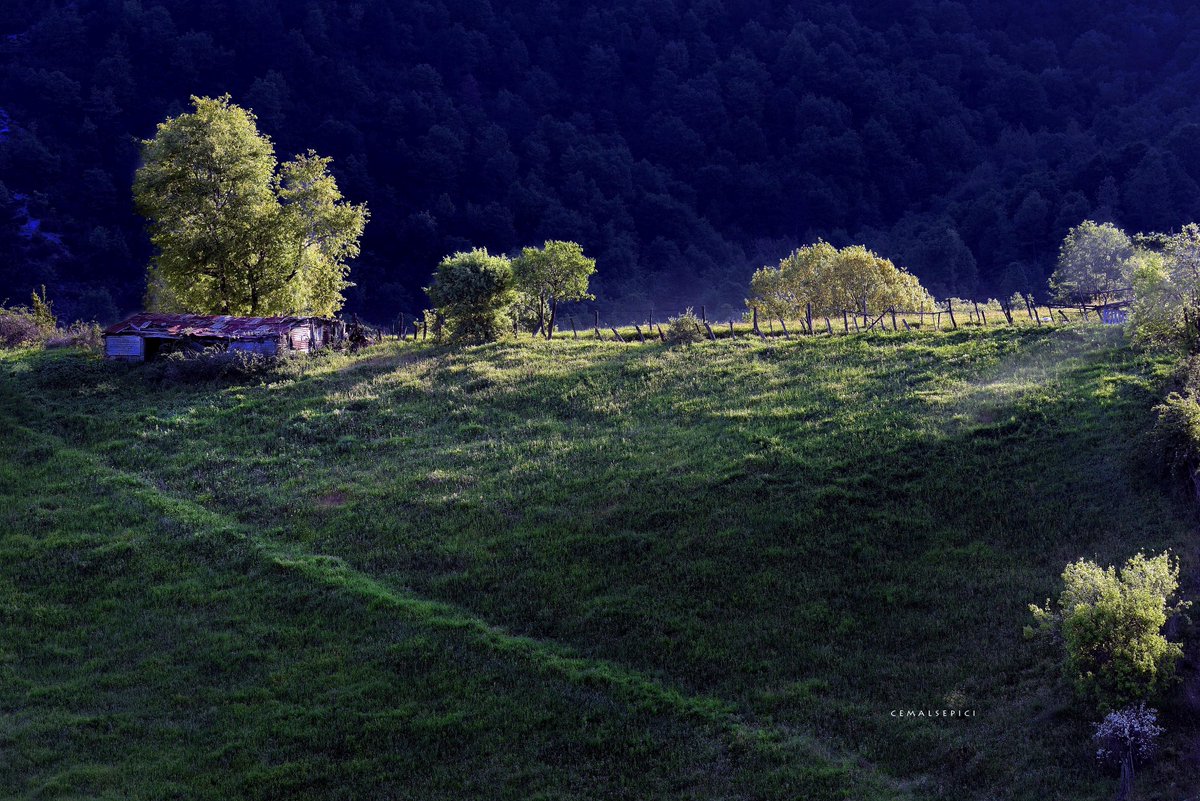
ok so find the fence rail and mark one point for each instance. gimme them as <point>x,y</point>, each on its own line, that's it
<point>647,328</point>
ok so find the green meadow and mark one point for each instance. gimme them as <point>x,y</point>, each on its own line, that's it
<point>572,569</point>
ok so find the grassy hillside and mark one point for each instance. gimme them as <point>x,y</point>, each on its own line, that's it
<point>569,569</point>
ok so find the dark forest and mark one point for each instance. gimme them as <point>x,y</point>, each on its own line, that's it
<point>682,144</point>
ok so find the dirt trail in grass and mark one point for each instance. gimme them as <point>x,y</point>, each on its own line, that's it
<point>546,658</point>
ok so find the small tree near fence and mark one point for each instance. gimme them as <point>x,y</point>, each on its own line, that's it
<point>555,273</point>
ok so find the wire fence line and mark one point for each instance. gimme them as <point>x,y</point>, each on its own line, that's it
<point>647,324</point>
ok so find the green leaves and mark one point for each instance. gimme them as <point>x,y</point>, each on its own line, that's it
<point>234,231</point>
<point>557,272</point>
<point>472,291</point>
<point>851,279</point>
<point>1111,624</point>
<point>1093,263</point>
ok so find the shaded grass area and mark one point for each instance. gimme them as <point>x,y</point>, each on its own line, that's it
<point>151,649</point>
<point>765,547</point>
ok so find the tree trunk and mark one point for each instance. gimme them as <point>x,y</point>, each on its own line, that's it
<point>1125,789</point>
<point>553,317</point>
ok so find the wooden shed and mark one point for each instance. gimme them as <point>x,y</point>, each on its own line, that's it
<point>146,335</point>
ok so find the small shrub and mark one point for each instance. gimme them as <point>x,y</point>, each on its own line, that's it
<point>87,336</point>
<point>24,326</point>
<point>684,329</point>
<point>1178,425</point>
<point>1127,734</point>
<point>1178,429</point>
<point>1111,624</point>
<point>212,364</point>
<point>19,327</point>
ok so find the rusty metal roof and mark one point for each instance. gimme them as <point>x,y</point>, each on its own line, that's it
<point>207,326</point>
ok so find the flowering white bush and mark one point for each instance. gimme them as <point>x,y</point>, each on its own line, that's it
<point>1133,730</point>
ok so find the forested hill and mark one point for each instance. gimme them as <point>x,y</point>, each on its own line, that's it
<point>681,143</point>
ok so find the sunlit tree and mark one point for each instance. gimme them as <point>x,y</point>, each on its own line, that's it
<point>472,292</point>
<point>555,273</point>
<point>1093,264</point>
<point>852,279</point>
<point>234,231</point>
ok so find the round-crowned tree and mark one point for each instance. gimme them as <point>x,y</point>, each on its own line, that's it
<point>1093,264</point>
<point>472,292</point>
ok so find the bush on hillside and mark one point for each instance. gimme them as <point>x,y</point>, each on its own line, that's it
<point>212,364</point>
<point>684,329</point>
<point>18,327</point>
<point>1110,623</point>
<point>1178,425</point>
<point>473,292</point>
<point>35,325</point>
<point>87,336</point>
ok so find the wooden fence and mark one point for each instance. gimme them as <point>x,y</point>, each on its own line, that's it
<point>755,324</point>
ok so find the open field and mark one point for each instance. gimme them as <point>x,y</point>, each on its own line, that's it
<point>572,569</point>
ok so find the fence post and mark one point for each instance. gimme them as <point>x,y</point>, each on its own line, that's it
<point>757,330</point>
<point>703,318</point>
<point>596,322</point>
<point>1027,308</point>
<point>616,333</point>
<point>711,334</point>
<point>893,311</point>
<point>574,332</point>
<point>978,313</point>
<point>808,317</point>
<point>785,331</point>
<point>1004,307</point>
<point>845,322</point>
<point>950,308</point>
<point>638,328</point>
<point>661,335</point>
<point>731,334</point>
<point>828,327</point>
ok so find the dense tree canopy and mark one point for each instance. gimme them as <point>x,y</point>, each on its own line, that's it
<point>472,292</point>
<point>831,281</point>
<point>1094,264</point>
<point>681,144</point>
<point>233,231</point>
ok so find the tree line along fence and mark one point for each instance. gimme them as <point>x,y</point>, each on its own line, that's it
<point>647,327</point>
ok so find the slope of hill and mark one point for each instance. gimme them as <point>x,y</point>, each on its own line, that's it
<point>570,569</point>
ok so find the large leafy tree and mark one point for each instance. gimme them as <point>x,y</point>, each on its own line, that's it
<point>850,279</point>
<point>1166,286</point>
<point>234,231</point>
<point>1094,264</point>
<point>555,273</point>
